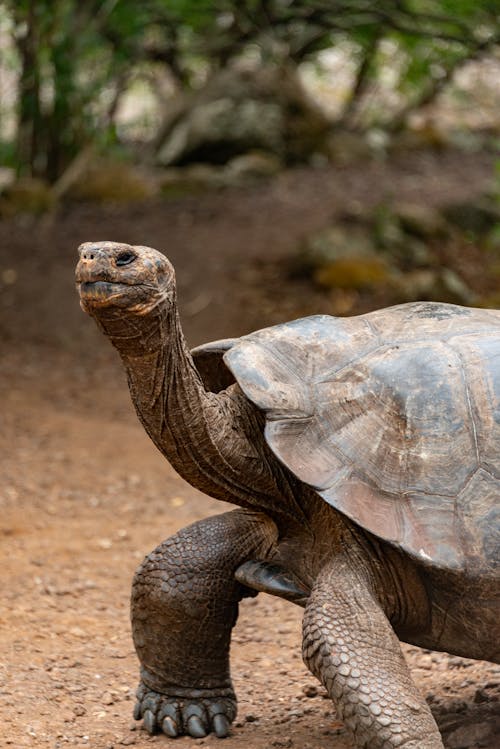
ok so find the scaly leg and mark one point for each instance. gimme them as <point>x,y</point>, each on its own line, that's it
<point>351,647</point>
<point>184,605</point>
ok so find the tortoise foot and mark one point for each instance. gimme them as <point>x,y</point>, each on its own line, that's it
<point>195,712</point>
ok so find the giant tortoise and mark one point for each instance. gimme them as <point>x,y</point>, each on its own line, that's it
<point>364,456</point>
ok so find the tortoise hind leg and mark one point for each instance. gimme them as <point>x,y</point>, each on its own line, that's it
<point>351,647</point>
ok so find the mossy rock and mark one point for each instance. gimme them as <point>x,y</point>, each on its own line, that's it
<point>238,111</point>
<point>343,257</point>
<point>404,232</point>
<point>477,217</point>
<point>421,221</point>
<point>436,285</point>
<point>353,273</point>
<point>106,181</point>
<point>335,243</point>
<point>27,195</point>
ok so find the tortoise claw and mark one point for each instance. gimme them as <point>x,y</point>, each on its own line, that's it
<point>169,727</point>
<point>149,721</point>
<point>137,711</point>
<point>221,726</point>
<point>195,727</point>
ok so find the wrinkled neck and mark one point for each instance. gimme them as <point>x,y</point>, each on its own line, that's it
<point>164,384</point>
<point>137,335</point>
<point>185,422</point>
<point>214,441</point>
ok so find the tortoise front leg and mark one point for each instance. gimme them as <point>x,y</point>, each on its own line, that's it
<point>184,605</point>
<point>351,647</point>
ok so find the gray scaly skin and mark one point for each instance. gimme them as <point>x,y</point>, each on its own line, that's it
<point>361,594</point>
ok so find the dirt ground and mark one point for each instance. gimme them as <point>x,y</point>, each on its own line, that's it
<point>84,495</point>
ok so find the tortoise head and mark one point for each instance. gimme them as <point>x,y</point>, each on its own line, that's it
<point>111,275</point>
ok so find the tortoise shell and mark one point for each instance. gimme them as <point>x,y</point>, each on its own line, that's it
<point>393,417</point>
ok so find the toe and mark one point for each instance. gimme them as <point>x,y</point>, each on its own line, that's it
<point>169,727</point>
<point>195,727</point>
<point>195,720</point>
<point>137,711</point>
<point>220,726</point>
<point>170,720</point>
<point>149,721</point>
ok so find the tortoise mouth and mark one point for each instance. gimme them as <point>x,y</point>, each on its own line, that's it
<point>103,292</point>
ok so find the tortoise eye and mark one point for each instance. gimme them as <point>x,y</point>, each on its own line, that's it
<point>125,258</point>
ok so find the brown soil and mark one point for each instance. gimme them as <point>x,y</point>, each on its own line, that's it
<point>84,495</point>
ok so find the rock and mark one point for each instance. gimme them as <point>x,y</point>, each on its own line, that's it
<point>310,690</point>
<point>7,178</point>
<point>26,195</point>
<point>344,257</point>
<point>420,220</point>
<point>106,181</point>
<point>353,273</point>
<point>128,741</point>
<point>345,148</point>
<point>454,288</point>
<point>478,217</point>
<point>332,244</point>
<point>242,110</point>
<point>392,235</point>
<point>251,166</point>
<point>215,131</point>
<point>438,285</point>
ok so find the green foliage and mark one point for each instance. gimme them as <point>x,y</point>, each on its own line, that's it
<point>76,58</point>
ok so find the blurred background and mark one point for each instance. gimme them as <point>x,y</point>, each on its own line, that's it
<point>304,156</point>
<point>291,158</point>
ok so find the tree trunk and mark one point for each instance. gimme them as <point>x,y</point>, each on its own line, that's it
<point>29,147</point>
<point>61,146</point>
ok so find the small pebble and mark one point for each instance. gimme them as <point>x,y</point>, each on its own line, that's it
<point>310,690</point>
